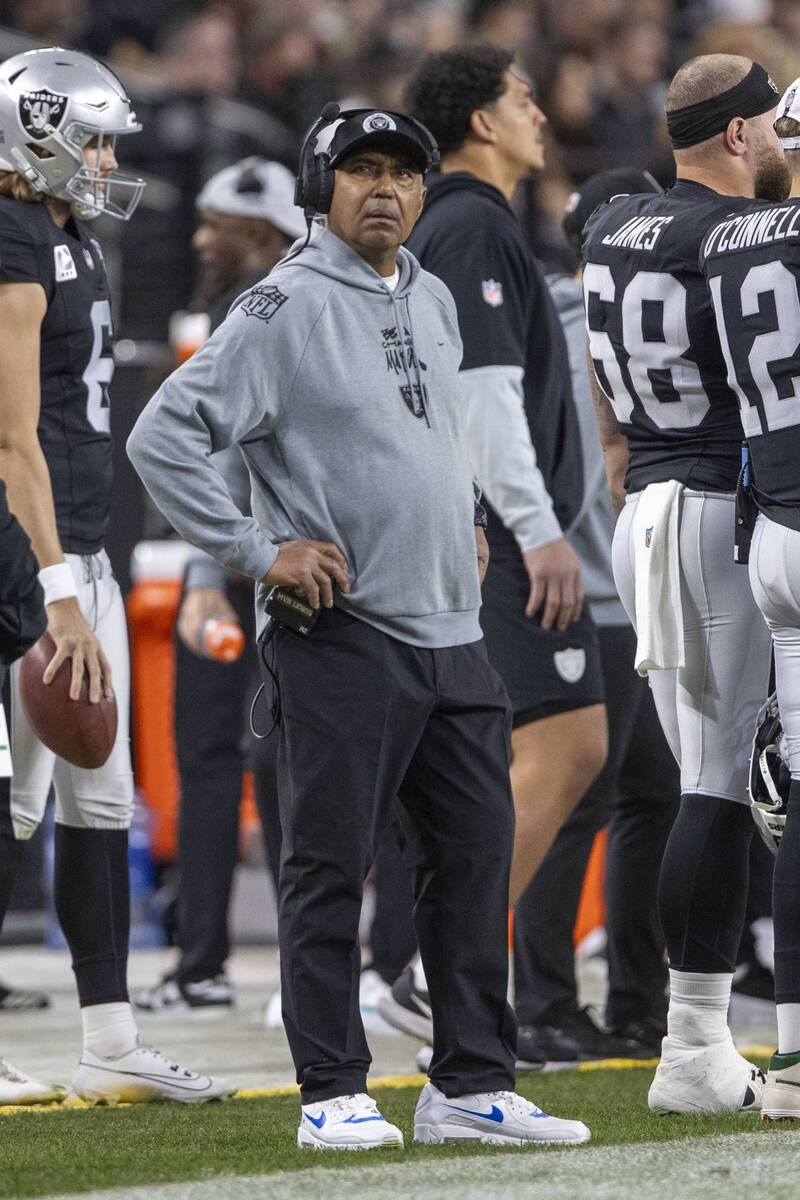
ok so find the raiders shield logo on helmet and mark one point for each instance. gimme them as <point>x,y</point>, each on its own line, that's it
<point>570,663</point>
<point>40,110</point>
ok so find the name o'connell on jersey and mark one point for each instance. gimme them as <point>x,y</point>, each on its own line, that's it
<point>753,270</point>
<point>772,224</point>
<point>653,336</point>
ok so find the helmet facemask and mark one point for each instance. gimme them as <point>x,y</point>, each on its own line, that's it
<point>770,777</point>
<point>61,170</point>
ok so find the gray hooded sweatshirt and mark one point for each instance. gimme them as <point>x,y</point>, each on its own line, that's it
<point>344,398</point>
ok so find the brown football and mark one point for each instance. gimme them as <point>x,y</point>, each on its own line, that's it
<point>76,730</point>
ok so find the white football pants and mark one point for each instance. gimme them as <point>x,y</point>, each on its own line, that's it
<point>775,580</point>
<point>85,799</point>
<point>707,708</point>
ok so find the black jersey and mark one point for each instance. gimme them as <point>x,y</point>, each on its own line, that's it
<point>76,363</point>
<point>469,237</point>
<point>653,337</point>
<point>752,263</point>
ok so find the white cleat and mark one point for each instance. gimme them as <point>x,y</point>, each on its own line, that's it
<point>781,1099</point>
<point>141,1075</point>
<point>346,1123</point>
<point>17,1087</point>
<point>495,1118</point>
<point>704,1080</point>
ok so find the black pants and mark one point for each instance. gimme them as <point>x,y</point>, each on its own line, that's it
<point>392,941</point>
<point>639,791</point>
<point>367,718</point>
<point>213,746</point>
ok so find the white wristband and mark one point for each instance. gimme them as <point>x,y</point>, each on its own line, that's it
<point>58,582</point>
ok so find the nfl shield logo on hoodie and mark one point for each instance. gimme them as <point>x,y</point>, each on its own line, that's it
<point>492,292</point>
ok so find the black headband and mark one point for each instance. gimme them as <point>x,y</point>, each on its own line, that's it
<point>752,96</point>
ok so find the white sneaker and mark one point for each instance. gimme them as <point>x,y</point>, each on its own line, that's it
<point>781,1099</point>
<point>143,1074</point>
<point>704,1080</point>
<point>495,1118</point>
<point>346,1123</point>
<point>17,1087</point>
<point>372,989</point>
<point>424,1059</point>
<point>273,1017</point>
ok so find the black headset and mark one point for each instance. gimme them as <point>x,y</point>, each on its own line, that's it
<point>313,190</point>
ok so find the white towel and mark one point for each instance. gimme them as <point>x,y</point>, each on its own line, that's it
<point>659,617</point>
<point>5,749</point>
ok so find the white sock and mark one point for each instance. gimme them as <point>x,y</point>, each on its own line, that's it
<point>109,1030</point>
<point>788,1028</point>
<point>698,1007</point>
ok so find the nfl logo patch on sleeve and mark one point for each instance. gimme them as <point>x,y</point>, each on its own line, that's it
<point>492,292</point>
<point>65,266</point>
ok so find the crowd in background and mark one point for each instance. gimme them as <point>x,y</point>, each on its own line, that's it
<point>216,80</point>
<point>213,81</point>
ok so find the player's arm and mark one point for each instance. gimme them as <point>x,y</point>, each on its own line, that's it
<point>503,454</point>
<point>504,459</point>
<point>612,440</point>
<point>23,466</point>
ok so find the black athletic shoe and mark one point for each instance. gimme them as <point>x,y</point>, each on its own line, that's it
<point>542,1047</point>
<point>597,1043</point>
<point>17,999</point>
<point>408,1007</point>
<point>203,997</point>
<point>647,1033</point>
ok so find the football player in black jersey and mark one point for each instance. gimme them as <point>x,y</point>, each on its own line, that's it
<point>669,422</point>
<point>60,114</point>
<point>752,262</point>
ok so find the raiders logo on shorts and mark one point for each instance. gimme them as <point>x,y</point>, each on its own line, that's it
<point>570,663</point>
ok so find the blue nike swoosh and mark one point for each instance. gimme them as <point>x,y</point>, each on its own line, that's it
<point>318,1121</point>
<point>353,1120</point>
<point>494,1115</point>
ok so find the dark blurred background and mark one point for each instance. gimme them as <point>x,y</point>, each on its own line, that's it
<point>215,81</point>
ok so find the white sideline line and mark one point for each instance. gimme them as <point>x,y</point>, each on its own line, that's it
<point>735,1166</point>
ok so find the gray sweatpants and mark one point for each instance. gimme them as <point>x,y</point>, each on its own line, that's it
<point>708,707</point>
<point>775,580</point>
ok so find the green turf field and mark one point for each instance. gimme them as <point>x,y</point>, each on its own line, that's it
<point>68,1152</point>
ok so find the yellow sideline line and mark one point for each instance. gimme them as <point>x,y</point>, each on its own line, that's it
<point>385,1081</point>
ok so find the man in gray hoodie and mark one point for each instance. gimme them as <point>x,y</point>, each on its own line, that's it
<point>338,377</point>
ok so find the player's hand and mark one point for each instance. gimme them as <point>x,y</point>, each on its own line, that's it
<point>201,604</point>
<point>555,575</point>
<point>312,568</point>
<point>74,639</point>
<point>482,551</point>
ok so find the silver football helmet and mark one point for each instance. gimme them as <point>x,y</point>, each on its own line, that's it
<point>53,103</point>
<point>769,780</point>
